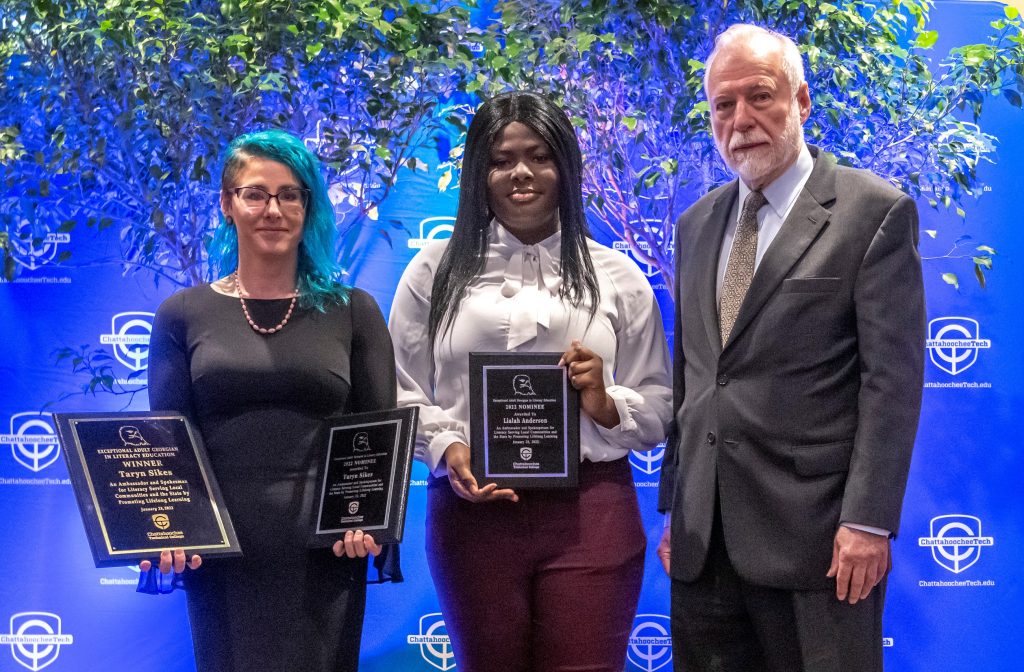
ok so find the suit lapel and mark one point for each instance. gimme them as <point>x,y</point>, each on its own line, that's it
<point>801,227</point>
<point>709,243</point>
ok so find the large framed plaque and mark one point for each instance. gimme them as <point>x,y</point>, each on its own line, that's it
<point>144,483</point>
<point>363,478</point>
<point>524,420</point>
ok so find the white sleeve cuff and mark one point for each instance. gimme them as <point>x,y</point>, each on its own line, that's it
<point>435,451</point>
<point>624,399</point>
<point>880,531</point>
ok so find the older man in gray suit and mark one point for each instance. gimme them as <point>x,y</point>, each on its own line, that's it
<point>799,360</point>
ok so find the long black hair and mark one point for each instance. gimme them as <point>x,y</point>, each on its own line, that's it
<point>464,258</point>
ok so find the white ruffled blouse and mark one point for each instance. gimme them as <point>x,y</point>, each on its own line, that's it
<point>514,305</point>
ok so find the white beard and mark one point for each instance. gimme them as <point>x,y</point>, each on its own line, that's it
<point>754,165</point>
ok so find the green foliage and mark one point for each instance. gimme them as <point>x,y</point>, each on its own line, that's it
<point>631,74</point>
<point>127,106</point>
<point>114,112</point>
<point>95,366</point>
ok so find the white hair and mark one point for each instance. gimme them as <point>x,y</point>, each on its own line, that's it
<point>792,62</point>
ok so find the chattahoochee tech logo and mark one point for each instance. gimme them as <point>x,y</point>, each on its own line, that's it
<point>953,343</point>
<point>956,541</point>
<point>129,335</point>
<point>32,440</point>
<point>435,646</point>
<point>35,639</point>
<point>650,642</point>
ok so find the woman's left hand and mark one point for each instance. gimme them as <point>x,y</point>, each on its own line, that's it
<point>175,560</point>
<point>586,373</point>
<point>356,545</point>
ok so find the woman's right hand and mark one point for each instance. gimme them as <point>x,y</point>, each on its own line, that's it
<point>463,482</point>
<point>172,560</point>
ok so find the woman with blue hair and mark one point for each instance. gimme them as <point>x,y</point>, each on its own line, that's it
<point>257,360</point>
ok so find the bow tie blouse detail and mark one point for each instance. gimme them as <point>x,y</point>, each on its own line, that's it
<point>532,282</point>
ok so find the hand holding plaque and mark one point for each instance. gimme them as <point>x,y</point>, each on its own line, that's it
<point>356,544</point>
<point>524,420</point>
<point>586,374</point>
<point>363,479</point>
<point>173,559</point>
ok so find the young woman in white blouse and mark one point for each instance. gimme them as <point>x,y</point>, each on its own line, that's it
<point>530,579</point>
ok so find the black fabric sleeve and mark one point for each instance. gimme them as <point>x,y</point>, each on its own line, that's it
<point>372,365</point>
<point>667,482</point>
<point>170,389</point>
<point>169,374</point>
<point>374,387</point>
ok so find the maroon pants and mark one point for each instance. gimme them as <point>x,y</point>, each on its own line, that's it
<point>550,583</point>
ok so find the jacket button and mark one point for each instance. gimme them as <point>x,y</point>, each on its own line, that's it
<point>723,379</point>
<point>711,438</point>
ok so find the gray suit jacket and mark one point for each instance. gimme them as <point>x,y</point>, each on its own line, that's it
<point>807,416</point>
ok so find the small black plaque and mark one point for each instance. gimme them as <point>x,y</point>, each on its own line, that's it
<point>144,484</point>
<point>524,420</point>
<point>363,479</point>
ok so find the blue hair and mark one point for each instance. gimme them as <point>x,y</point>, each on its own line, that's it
<point>318,270</point>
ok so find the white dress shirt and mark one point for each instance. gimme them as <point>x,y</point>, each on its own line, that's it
<point>781,195</point>
<point>513,305</point>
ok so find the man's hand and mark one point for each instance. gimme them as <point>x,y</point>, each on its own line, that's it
<point>665,548</point>
<point>860,560</point>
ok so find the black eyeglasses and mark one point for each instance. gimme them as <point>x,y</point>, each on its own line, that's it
<point>257,198</point>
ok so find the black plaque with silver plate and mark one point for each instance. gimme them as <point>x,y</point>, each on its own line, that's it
<point>524,420</point>
<point>363,478</point>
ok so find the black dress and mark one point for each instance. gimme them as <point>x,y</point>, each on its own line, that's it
<point>258,401</point>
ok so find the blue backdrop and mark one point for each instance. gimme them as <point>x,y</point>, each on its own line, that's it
<point>954,597</point>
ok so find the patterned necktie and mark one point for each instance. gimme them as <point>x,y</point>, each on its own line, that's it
<point>740,268</point>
